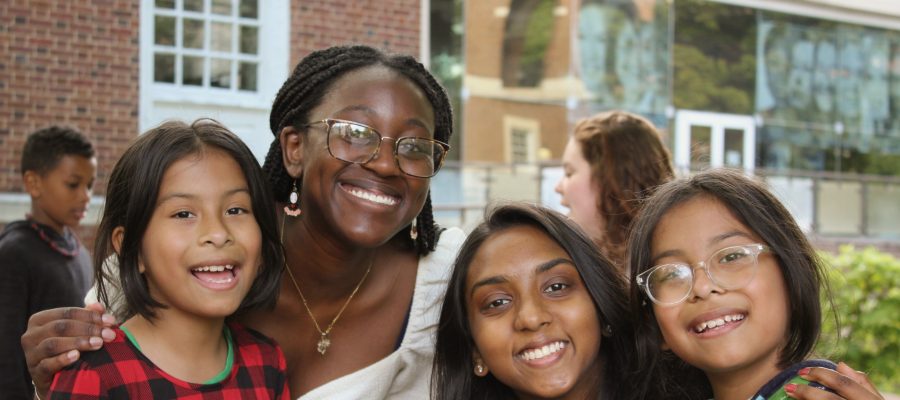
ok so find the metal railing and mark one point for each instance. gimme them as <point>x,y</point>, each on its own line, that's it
<point>823,203</point>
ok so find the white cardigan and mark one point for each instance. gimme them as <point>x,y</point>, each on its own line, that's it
<point>405,373</point>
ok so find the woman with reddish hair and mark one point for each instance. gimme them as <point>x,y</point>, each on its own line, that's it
<point>612,161</point>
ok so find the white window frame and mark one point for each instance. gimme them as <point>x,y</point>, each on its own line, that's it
<point>718,123</point>
<point>272,55</point>
<point>425,33</point>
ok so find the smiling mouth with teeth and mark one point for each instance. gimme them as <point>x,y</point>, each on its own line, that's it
<point>214,273</point>
<point>375,198</point>
<point>715,323</point>
<point>544,351</point>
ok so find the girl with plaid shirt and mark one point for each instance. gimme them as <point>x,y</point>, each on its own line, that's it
<point>189,222</point>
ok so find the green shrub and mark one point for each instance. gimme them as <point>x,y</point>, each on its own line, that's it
<point>865,285</point>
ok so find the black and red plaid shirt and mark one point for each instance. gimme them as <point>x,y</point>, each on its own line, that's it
<point>120,371</point>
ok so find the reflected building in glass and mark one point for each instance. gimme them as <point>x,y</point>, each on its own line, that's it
<point>804,93</point>
<point>823,94</point>
<point>534,67</point>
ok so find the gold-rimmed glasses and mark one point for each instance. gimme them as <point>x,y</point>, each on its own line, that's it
<point>358,143</point>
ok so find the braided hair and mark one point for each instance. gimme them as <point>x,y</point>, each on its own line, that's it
<point>310,82</point>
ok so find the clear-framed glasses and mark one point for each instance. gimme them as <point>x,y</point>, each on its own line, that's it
<point>357,143</point>
<point>730,268</point>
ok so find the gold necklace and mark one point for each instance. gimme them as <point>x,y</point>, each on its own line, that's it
<point>324,341</point>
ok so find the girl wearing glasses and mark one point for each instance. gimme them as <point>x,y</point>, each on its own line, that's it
<point>724,279</point>
<point>358,133</point>
<point>547,320</point>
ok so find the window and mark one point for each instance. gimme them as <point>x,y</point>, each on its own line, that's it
<point>207,44</point>
<point>519,146</point>
<point>222,59</point>
<point>522,138</point>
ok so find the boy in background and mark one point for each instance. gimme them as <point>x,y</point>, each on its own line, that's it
<point>42,263</point>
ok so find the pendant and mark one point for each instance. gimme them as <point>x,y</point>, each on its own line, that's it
<point>323,344</point>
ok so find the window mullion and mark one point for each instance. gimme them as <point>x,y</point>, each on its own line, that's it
<point>179,57</point>
<point>235,49</point>
<point>207,43</point>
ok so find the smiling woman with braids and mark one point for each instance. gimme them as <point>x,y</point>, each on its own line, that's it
<point>358,134</point>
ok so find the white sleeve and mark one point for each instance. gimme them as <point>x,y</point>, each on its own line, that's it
<point>117,304</point>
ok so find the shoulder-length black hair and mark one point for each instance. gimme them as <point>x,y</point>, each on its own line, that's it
<point>131,200</point>
<point>751,203</point>
<point>452,376</point>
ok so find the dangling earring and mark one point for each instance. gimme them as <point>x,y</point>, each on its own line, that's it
<point>414,230</point>
<point>293,207</point>
<point>479,369</point>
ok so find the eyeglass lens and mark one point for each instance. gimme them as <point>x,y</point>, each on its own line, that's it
<point>730,268</point>
<point>359,144</point>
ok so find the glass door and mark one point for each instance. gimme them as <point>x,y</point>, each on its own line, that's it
<point>706,139</point>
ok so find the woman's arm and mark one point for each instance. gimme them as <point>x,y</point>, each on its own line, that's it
<point>55,337</point>
<point>845,382</point>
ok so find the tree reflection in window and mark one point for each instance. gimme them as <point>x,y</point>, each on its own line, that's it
<point>529,28</point>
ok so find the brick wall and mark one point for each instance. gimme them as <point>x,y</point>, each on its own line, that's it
<point>72,63</point>
<point>391,25</point>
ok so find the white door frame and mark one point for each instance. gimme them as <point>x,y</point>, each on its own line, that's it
<point>718,122</point>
